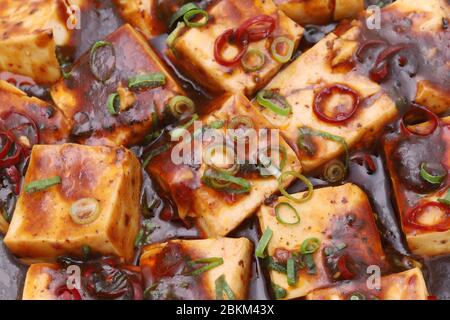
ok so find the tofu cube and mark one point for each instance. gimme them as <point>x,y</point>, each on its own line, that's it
<point>320,11</point>
<point>433,97</point>
<point>38,282</point>
<point>163,264</point>
<point>426,227</point>
<point>43,225</point>
<point>193,51</point>
<point>53,126</point>
<point>341,218</point>
<point>29,34</point>
<point>83,99</point>
<point>217,212</point>
<point>406,285</point>
<point>143,15</point>
<point>312,73</point>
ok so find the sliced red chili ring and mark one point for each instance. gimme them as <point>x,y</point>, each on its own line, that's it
<point>15,177</point>
<point>7,141</point>
<point>243,33</point>
<point>414,215</point>
<point>36,136</point>
<point>365,45</point>
<point>430,115</point>
<point>380,69</point>
<point>229,37</point>
<point>64,293</point>
<point>13,159</point>
<point>323,96</point>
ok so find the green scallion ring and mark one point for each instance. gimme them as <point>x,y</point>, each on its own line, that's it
<point>170,41</point>
<point>282,58</point>
<point>310,245</point>
<point>281,150</point>
<point>147,81</point>
<point>249,56</point>
<point>236,122</point>
<point>113,103</point>
<point>446,199</point>
<point>334,171</point>
<point>278,291</point>
<point>191,14</point>
<point>227,151</point>
<point>177,103</point>
<point>181,12</point>
<point>291,208</point>
<point>92,56</point>
<point>42,184</point>
<point>264,98</point>
<point>308,183</point>
<point>217,124</point>
<point>357,296</point>
<point>291,272</point>
<point>429,177</point>
<point>223,181</point>
<point>263,242</point>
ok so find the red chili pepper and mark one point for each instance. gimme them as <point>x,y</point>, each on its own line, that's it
<point>380,69</point>
<point>414,214</point>
<point>7,142</point>
<point>342,265</point>
<point>430,115</point>
<point>370,43</point>
<point>323,96</point>
<point>222,41</point>
<point>12,160</point>
<point>64,293</point>
<point>243,33</point>
<point>35,138</point>
<point>366,160</point>
<point>15,177</point>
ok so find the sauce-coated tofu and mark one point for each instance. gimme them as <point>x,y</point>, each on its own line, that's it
<point>218,212</point>
<point>194,50</point>
<point>425,220</point>
<point>30,31</point>
<point>313,72</point>
<point>341,219</point>
<point>43,225</point>
<point>407,285</point>
<point>53,126</point>
<point>320,11</point>
<point>84,99</point>
<point>166,266</point>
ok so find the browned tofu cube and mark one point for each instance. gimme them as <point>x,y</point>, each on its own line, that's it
<point>334,239</point>
<point>99,279</point>
<point>53,126</point>
<point>193,50</point>
<point>30,31</point>
<point>407,285</point>
<point>77,195</point>
<point>425,220</point>
<point>216,210</point>
<point>320,11</point>
<point>84,99</point>
<point>171,270</point>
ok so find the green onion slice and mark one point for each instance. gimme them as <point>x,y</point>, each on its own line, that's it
<point>42,184</point>
<point>283,191</point>
<point>93,56</point>
<point>291,272</point>
<point>114,103</point>
<point>275,266</point>
<point>181,106</point>
<point>288,49</point>
<point>85,210</point>
<point>294,216</point>
<point>223,287</point>
<point>274,102</point>
<point>181,12</point>
<point>239,125</point>
<point>446,199</point>
<point>147,81</point>
<point>267,160</point>
<point>263,242</point>
<point>217,124</point>
<point>328,136</point>
<point>179,131</point>
<point>357,296</point>
<point>188,16</point>
<point>170,41</point>
<point>224,181</point>
<point>227,158</point>
<point>310,245</point>
<point>278,291</point>
<point>209,263</point>
<point>429,177</point>
<point>253,60</point>
<point>334,171</point>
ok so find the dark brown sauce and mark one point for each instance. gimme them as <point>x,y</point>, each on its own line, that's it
<point>102,20</point>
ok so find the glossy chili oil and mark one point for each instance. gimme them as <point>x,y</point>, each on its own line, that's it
<point>102,19</point>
